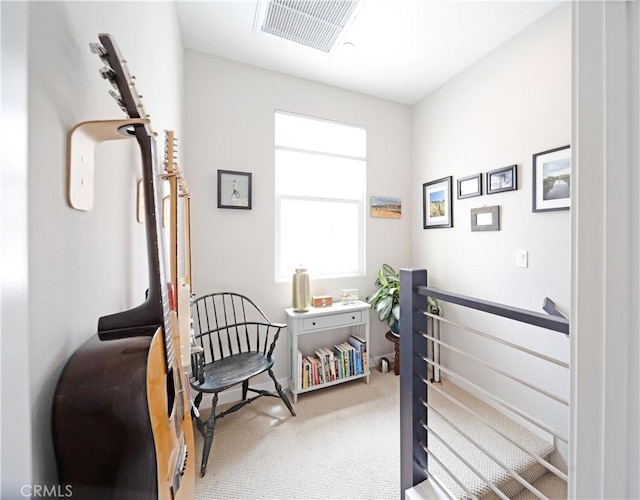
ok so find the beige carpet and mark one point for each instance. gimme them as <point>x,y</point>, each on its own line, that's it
<point>344,443</point>
<point>505,451</point>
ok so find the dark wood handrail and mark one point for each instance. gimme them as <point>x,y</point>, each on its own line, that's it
<point>550,322</point>
<point>549,306</point>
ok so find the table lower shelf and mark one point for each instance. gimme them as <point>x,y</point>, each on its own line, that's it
<point>296,391</point>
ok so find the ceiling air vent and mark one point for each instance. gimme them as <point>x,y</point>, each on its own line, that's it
<point>316,24</point>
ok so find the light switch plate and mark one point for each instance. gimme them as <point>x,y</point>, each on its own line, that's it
<point>522,258</point>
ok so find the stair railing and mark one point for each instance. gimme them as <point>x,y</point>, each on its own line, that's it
<point>420,329</point>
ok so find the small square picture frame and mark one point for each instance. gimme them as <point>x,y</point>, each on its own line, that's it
<point>470,186</point>
<point>502,179</point>
<point>234,189</point>
<point>485,218</point>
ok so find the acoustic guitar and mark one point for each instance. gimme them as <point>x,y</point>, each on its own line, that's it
<point>121,419</point>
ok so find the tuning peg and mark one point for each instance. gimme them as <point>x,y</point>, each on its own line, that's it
<point>97,48</point>
<point>108,73</point>
<point>118,99</point>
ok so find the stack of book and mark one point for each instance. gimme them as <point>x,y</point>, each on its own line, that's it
<point>326,365</point>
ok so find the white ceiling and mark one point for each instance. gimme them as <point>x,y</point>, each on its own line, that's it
<point>404,49</point>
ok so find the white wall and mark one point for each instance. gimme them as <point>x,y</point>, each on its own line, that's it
<point>511,104</point>
<point>83,265</point>
<point>605,388</point>
<point>15,432</point>
<point>229,116</point>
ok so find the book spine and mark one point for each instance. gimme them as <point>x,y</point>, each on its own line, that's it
<point>305,374</point>
<point>360,344</point>
<point>347,360</point>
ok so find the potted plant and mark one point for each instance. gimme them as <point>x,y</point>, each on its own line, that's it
<point>386,299</point>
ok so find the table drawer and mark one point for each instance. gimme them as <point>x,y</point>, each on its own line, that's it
<point>333,321</point>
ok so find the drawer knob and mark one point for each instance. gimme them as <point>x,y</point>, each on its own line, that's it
<point>353,317</point>
<point>314,323</point>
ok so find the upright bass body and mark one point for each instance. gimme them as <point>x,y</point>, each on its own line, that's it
<point>113,434</point>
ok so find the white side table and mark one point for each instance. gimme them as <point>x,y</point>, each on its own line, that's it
<point>319,319</point>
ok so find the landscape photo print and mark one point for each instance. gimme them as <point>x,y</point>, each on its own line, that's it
<point>437,207</point>
<point>552,180</point>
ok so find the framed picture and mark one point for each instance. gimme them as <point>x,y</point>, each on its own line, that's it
<point>384,206</point>
<point>470,186</point>
<point>502,179</point>
<point>234,189</point>
<point>552,180</point>
<point>485,218</point>
<point>437,208</point>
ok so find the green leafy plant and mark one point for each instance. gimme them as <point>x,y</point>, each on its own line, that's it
<point>386,299</point>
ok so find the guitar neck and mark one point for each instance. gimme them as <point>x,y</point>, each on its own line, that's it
<point>179,244</point>
<point>145,318</point>
<point>187,237</point>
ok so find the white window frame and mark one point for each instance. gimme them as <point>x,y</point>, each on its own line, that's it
<point>285,274</point>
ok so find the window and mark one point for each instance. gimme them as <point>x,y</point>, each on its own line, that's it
<point>320,189</point>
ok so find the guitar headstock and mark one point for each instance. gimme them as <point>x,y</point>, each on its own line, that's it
<point>117,73</point>
<point>170,152</point>
<point>171,167</point>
